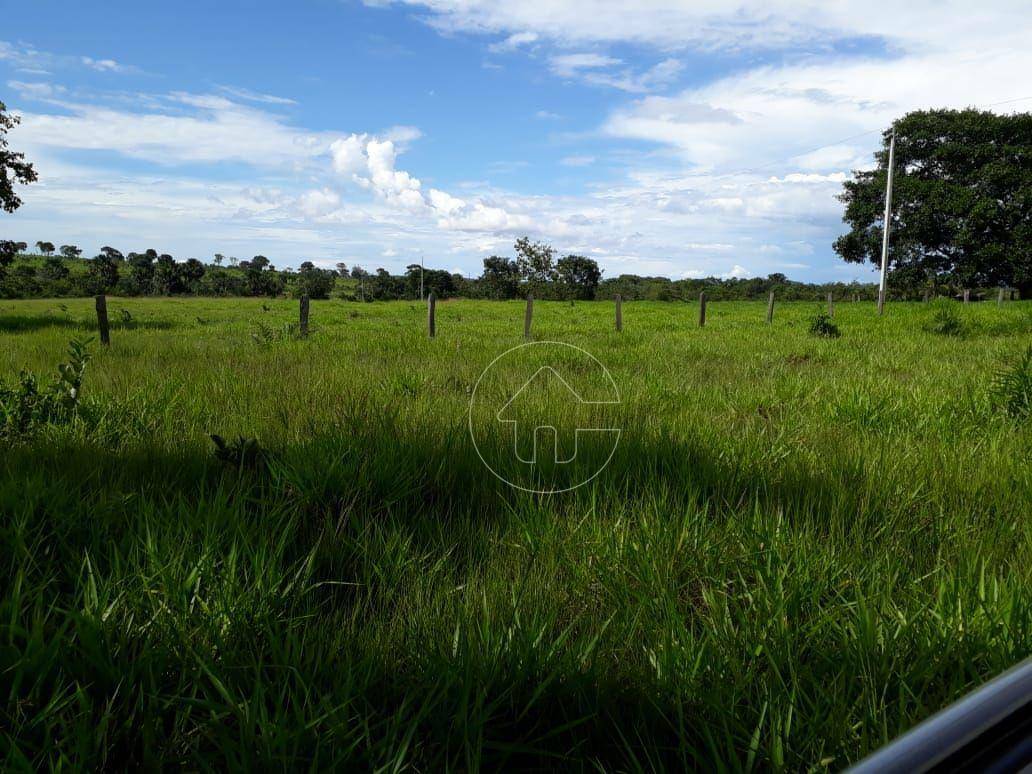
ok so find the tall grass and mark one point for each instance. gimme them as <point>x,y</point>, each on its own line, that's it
<point>801,547</point>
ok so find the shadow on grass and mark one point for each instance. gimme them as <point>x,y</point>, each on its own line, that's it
<point>24,324</point>
<point>208,629</point>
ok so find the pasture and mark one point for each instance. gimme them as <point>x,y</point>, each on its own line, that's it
<point>801,546</point>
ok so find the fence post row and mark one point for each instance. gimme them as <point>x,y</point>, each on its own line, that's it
<point>702,309</point>
<point>770,307</point>
<point>881,301</point>
<point>619,313</point>
<point>528,316</point>
<point>304,316</point>
<point>431,309</point>
<point>102,321</point>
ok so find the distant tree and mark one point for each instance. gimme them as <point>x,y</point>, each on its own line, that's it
<point>261,277</point>
<point>578,277</point>
<point>70,251</point>
<point>501,277</point>
<point>45,247</point>
<point>53,269</point>
<point>535,261</point>
<point>342,269</point>
<point>192,271</point>
<point>102,274</point>
<point>234,261</point>
<point>112,253</point>
<point>962,193</point>
<point>141,272</point>
<point>777,278</point>
<point>13,167</point>
<point>8,250</point>
<point>313,281</point>
<point>168,276</point>
<point>219,258</point>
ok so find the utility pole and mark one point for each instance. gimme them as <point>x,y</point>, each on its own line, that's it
<point>885,228</point>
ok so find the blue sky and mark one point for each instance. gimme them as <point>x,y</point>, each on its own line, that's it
<point>659,137</point>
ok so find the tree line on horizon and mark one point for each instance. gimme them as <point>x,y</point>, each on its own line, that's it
<point>53,271</point>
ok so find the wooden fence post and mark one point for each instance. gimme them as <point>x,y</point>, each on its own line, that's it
<point>770,307</point>
<point>999,298</point>
<point>102,321</point>
<point>702,309</point>
<point>831,304</point>
<point>431,309</point>
<point>967,295</point>
<point>619,313</point>
<point>881,301</point>
<point>304,316</point>
<point>528,316</point>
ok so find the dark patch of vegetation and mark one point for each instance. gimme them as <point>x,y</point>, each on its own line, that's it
<point>945,320</point>
<point>822,325</point>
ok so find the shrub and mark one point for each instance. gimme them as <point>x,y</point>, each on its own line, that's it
<point>945,320</point>
<point>822,325</point>
<point>25,408</point>
<point>1012,387</point>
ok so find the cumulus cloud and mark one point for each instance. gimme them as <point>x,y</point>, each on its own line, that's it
<point>319,202</point>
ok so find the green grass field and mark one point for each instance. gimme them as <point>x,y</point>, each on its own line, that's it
<point>801,547</point>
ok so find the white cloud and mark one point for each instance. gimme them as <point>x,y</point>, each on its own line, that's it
<point>319,202</point>
<point>711,24</point>
<point>349,154</point>
<point>513,42</point>
<point>444,203</point>
<point>219,130</point>
<point>105,65</point>
<point>255,96</point>
<point>36,89</point>
<point>572,65</point>
<point>737,272</point>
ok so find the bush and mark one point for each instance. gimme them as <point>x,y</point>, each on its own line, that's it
<point>25,408</point>
<point>1012,388</point>
<point>822,325</point>
<point>945,320</point>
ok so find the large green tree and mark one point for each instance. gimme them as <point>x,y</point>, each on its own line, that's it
<point>961,202</point>
<point>13,167</point>
<point>578,277</point>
